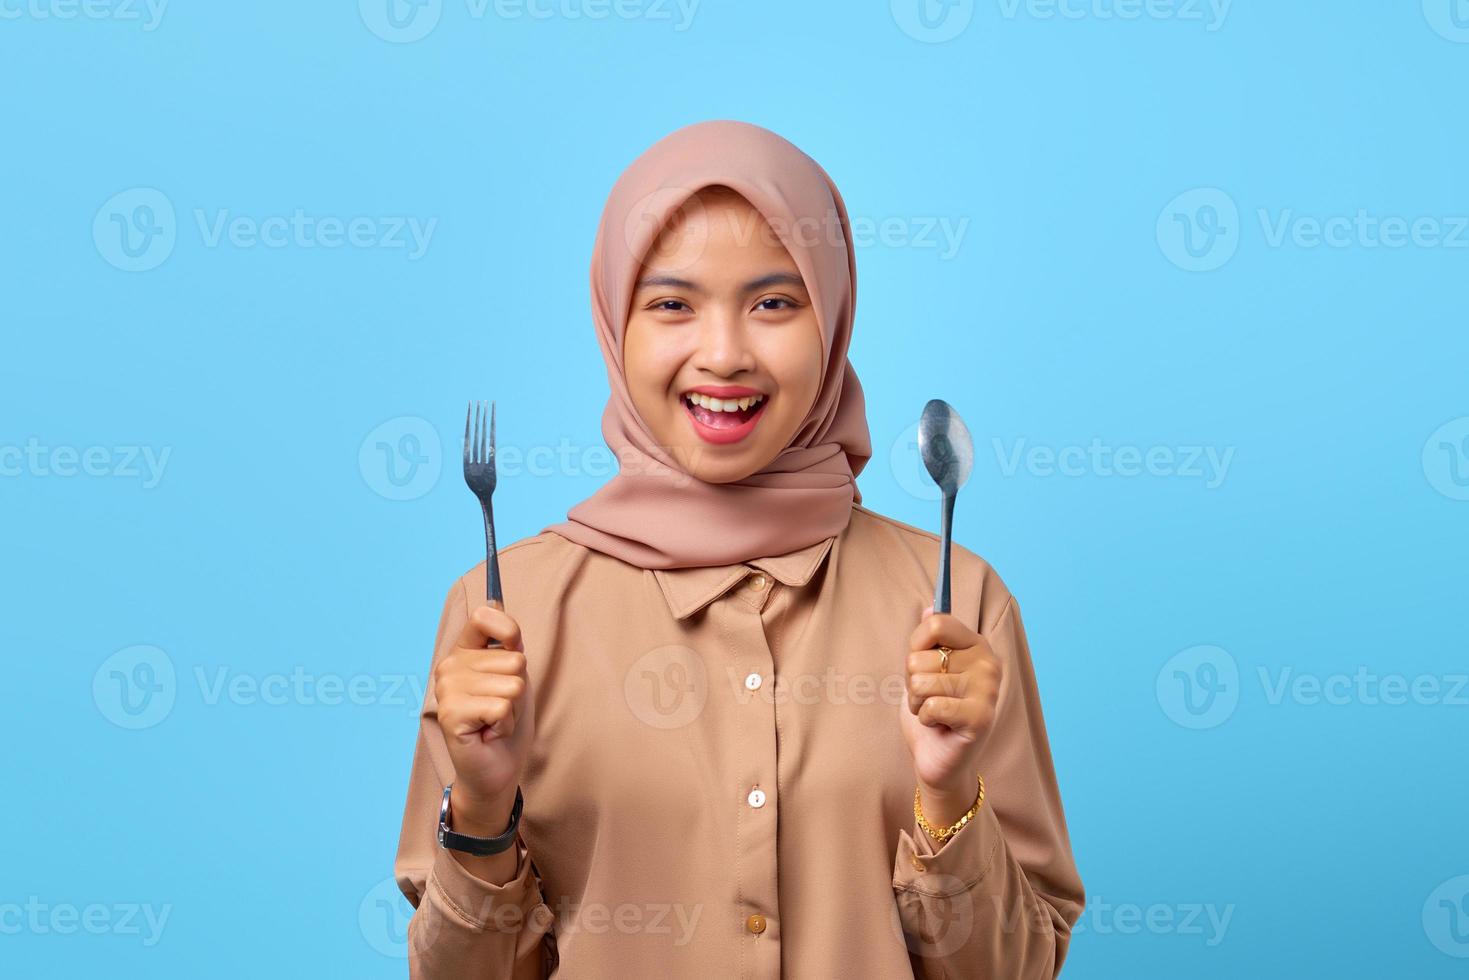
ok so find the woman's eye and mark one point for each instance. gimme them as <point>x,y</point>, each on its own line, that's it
<point>671,305</point>
<point>779,304</point>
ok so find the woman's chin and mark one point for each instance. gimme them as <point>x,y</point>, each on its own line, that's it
<point>709,470</point>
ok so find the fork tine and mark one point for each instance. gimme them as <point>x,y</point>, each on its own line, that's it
<point>468,416</point>
<point>479,432</point>
<point>492,432</point>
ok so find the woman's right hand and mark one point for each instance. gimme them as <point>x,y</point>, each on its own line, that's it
<point>487,714</point>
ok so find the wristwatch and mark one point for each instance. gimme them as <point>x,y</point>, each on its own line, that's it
<point>478,846</point>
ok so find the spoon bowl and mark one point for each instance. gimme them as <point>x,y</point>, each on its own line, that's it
<point>945,445</point>
<point>948,455</point>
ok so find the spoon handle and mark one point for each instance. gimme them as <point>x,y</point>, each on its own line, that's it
<point>941,588</point>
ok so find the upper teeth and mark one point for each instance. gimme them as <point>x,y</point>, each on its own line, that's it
<point>723,404</point>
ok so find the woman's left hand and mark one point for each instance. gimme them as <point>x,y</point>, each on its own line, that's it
<point>945,717</point>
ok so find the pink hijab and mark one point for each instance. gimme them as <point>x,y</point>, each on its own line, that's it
<point>652,514</point>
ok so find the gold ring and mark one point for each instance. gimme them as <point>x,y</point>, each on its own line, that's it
<point>944,659</point>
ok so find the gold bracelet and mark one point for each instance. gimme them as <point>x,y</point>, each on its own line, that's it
<point>941,834</point>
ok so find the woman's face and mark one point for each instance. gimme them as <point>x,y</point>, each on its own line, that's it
<point>722,351</point>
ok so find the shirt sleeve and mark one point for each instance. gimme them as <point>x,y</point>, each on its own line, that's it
<point>999,898</point>
<point>463,928</point>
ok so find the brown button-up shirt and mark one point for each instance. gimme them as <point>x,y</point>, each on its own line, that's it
<point>719,786</point>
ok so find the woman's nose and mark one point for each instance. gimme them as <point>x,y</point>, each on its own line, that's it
<point>724,347</point>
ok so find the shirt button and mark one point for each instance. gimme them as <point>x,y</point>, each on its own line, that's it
<point>758,583</point>
<point>756,924</point>
<point>756,798</point>
<point>752,682</point>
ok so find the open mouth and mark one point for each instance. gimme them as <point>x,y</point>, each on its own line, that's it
<point>723,420</point>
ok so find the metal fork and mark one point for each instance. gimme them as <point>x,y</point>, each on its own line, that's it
<point>479,473</point>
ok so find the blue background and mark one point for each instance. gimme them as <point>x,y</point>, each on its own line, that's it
<point>1073,310</point>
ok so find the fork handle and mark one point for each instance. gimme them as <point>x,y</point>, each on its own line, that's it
<point>492,559</point>
<point>494,644</point>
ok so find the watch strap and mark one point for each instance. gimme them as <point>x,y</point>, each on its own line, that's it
<point>478,846</point>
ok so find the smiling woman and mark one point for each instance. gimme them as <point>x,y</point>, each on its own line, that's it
<point>723,736</point>
<point>723,349</point>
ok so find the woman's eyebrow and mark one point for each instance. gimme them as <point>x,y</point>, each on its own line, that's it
<point>774,279</point>
<point>670,282</point>
<point>754,285</point>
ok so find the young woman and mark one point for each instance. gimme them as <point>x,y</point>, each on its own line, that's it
<point>741,745</point>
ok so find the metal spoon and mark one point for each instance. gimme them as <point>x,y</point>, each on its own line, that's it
<point>948,453</point>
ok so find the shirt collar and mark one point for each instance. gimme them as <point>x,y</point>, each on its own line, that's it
<point>690,589</point>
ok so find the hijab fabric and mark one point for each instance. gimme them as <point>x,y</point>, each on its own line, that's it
<point>653,514</point>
